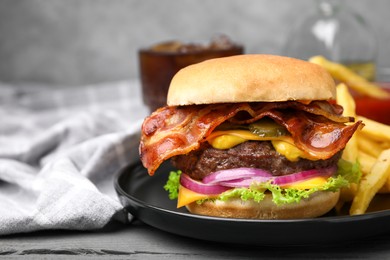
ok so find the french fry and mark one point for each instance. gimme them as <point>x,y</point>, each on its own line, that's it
<point>353,80</point>
<point>375,130</point>
<point>350,153</point>
<point>368,145</point>
<point>345,99</point>
<point>366,162</point>
<point>386,187</point>
<point>385,145</point>
<point>371,183</point>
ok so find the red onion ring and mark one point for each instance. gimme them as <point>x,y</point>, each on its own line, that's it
<point>224,180</point>
<point>304,175</point>
<point>200,187</point>
<point>234,174</point>
<point>244,182</point>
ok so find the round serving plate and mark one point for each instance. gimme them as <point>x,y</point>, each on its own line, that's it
<point>143,196</point>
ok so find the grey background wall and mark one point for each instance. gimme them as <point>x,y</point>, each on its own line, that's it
<point>88,41</point>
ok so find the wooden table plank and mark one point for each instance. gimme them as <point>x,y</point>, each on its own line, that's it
<point>139,241</point>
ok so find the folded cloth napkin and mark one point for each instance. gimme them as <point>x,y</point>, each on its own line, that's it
<point>60,149</point>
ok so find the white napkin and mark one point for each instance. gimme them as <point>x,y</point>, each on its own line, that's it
<point>59,152</point>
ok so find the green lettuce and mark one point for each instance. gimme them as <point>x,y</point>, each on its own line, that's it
<point>347,173</point>
<point>172,185</point>
<point>281,195</point>
<point>350,171</point>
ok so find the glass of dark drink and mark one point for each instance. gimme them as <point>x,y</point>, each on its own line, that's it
<point>160,62</point>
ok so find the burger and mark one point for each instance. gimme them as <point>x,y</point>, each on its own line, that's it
<point>252,136</point>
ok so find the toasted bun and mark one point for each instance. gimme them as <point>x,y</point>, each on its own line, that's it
<point>316,205</point>
<point>250,78</point>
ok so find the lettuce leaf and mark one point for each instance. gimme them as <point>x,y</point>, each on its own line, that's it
<point>350,171</point>
<point>172,185</point>
<point>282,196</point>
<point>243,193</point>
<point>347,173</point>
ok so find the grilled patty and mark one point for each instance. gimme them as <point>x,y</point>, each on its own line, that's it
<point>253,154</point>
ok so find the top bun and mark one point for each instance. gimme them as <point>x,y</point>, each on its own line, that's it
<point>250,78</point>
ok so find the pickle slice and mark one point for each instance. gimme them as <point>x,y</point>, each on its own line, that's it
<point>266,127</point>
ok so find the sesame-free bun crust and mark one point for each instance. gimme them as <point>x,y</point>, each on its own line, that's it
<point>316,205</point>
<point>250,78</point>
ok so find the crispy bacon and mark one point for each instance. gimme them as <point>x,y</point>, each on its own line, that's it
<point>316,128</point>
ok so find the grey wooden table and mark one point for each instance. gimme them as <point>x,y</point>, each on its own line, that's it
<point>139,241</point>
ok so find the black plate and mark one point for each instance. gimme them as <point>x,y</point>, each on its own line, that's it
<point>144,197</point>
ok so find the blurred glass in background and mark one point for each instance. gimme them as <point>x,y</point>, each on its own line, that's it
<point>337,33</point>
<point>160,62</point>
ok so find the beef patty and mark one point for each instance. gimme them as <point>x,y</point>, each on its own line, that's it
<point>200,163</point>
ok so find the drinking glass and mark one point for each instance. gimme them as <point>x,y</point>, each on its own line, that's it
<point>160,62</point>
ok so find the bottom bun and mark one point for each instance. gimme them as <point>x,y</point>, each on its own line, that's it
<point>316,205</point>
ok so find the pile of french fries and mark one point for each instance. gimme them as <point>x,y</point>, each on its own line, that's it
<point>356,82</point>
<point>370,146</point>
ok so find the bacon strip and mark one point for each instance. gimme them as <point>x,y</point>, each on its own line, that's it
<point>317,128</point>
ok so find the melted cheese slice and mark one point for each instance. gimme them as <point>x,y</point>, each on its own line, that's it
<point>308,184</point>
<point>187,196</point>
<point>282,144</point>
<point>230,138</point>
<point>290,151</point>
